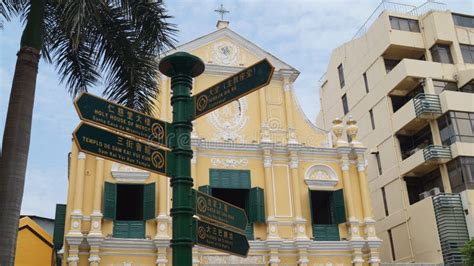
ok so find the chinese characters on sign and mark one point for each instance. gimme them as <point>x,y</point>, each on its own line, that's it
<point>114,116</point>
<point>216,237</point>
<point>103,143</point>
<point>232,88</point>
<point>216,210</point>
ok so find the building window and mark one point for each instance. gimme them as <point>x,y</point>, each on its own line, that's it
<point>340,71</point>
<point>467,53</point>
<point>345,106</point>
<point>441,53</point>
<point>379,164</point>
<point>404,24</point>
<point>366,83</point>
<point>463,20</point>
<point>417,185</point>
<point>372,120</point>
<point>461,174</point>
<point>129,206</point>
<point>469,87</point>
<point>233,186</point>
<point>441,85</point>
<point>456,126</point>
<point>327,212</point>
<point>390,64</point>
<point>384,197</point>
<point>392,248</point>
<point>399,101</point>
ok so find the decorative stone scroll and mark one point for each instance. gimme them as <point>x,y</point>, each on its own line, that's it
<point>215,260</point>
<point>320,177</point>
<point>229,162</point>
<point>124,173</point>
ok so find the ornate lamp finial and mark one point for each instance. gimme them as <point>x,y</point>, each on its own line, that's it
<point>337,129</point>
<point>352,130</point>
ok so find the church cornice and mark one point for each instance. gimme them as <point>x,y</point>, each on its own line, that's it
<point>203,145</point>
<point>219,70</point>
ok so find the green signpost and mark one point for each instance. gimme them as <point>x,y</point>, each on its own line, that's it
<point>233,88</point>
<point>219,211</point>
<point>182,67</point>
<point>123,147</point>
<point>103,143</point>
<point>216,237</point>
<point>118,117</point>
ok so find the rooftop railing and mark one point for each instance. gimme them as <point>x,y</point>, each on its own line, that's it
<point>399,8</point>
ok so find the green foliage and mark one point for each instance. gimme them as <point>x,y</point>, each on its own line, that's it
<point>115,42</point>
<point>468,252</point>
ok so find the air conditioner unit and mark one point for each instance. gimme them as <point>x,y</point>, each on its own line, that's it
<point>424,195</point>
<point>434,191</point>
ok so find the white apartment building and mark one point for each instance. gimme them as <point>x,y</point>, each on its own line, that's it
<point>407,78</point>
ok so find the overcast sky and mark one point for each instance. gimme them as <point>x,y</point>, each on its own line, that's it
<point>301,33</point>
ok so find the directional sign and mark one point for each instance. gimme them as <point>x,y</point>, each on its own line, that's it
<point>103,143</point>
<point>114,116</point>
<point>216,237</point>
<point>232,88</point>
<point>216,210</point>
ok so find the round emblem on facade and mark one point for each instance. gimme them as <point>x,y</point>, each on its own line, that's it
<point>202,204</point>
<point>95,224</point>
<point>201,102</point>
<point>157,159</point>
<point>225,53</point>
<point>162,227</point>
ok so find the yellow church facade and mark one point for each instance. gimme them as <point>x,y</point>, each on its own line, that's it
<point>303,189</point>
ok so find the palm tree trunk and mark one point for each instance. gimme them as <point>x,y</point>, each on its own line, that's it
<point>16,137</point>
<point>16,143</point>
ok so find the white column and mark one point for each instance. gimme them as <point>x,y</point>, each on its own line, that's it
<point>76,215</point>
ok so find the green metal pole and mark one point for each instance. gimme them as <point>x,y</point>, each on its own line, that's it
<point>182,67</point>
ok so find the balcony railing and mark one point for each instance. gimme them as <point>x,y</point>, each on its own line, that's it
<point>427,105</point>
<point>437,153</point>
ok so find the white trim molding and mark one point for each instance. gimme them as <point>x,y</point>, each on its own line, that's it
<point>320,177</point>
<point>128,174</point>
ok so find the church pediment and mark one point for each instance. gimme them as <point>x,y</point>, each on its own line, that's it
<point>270,114</point>
<point>225,48</point>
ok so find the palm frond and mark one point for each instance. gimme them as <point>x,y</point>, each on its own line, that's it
<point>10,8</point>
<point>150,20</point>
<point>117,41</point>
<point>75,62</point>
<point>131,70</point>
<point>75,17</point>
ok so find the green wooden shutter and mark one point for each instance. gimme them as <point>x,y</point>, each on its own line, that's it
<point>129,229</point>
<point>249,232</point>
<point>205,189</point>
<point>337,207</point>
<point>136,229</point>
<point>59,224</point>
<point>110,199</point>
<point>326,232</point>
<point>311,214</point>
<point>121,229</point>
<point>223,178</point>
<point>310,205</point>
<point>257,205</point>
<point>149,199</point>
